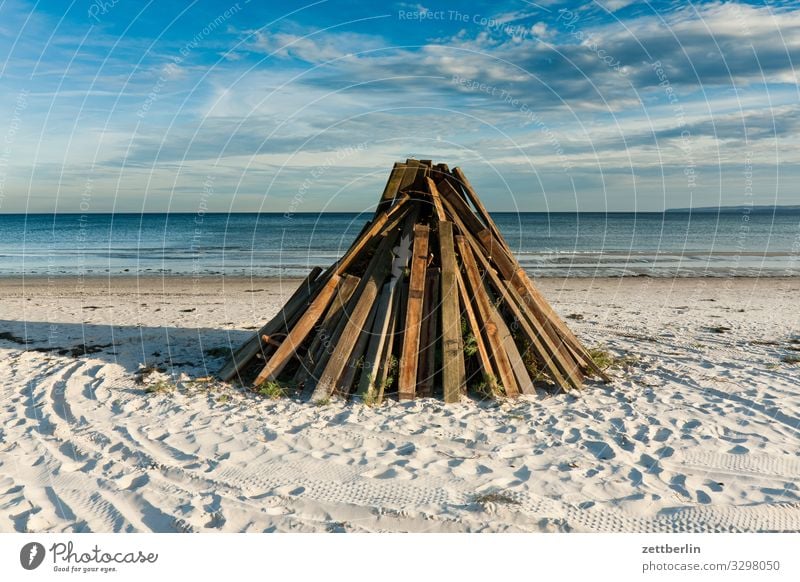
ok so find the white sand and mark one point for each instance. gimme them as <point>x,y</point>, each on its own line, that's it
<point>700,433</point>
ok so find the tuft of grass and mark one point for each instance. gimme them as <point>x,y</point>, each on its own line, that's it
<point>391,373</point>
<point>160,387</point>
<point>601,357</point>
<point>224,398</point>
<point>490,387</point>
<point>322,402</point>
<point>496,497</point>
<point>470,343</point>
<point>369,399</point>
<point>273,390</point>
<point>791,359</point>
<point>604,359</point>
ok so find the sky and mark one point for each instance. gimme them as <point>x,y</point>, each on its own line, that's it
<point>611,105</point>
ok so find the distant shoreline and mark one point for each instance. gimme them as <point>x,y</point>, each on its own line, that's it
<point>786,209</point>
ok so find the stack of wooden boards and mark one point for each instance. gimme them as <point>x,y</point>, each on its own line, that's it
<point>428,301</point>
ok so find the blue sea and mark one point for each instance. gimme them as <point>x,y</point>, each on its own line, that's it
<point>735,243</point>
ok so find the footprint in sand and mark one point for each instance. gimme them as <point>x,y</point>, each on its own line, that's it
<point>133,482</point>
<point>600,450</point>
<point>662,434</point>
<point>642,433</point>
<point>574,436</point>
<point>650,464</point>
<point>690,425</point>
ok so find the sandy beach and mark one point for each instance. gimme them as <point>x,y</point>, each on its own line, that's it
<point>699,432</point>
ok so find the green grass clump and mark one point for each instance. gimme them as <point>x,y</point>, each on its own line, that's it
<point>496,497</point>
<point>470,343</point>
<point>271,389</point>
<point>604,359</point>
<point>160,387</point>
<point>790,359</point>
<point>490,387</point>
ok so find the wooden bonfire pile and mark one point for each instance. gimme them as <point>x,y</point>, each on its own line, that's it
<point>428,301</point>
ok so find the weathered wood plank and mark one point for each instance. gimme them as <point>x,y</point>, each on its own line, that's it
<point>427,355</point>
<point>392,188</point>
<point>498,254</point>
<point>410,175</point>
<point>367,292</point>
<point>242,356</point>
<point>544,312</point>
<point>326,327</point>
<point>345,383</point>
<point>459,207</point>
<point>437,200</point>
<point>380,328</point>
<point>554,359</point>
<point>479,207</point>
<point>561,367</point>
<point>387,221</point>
<point>409,359</point>
<point>386,310</point>
<point>298,333</point>
<point>489,316</point>
<point>385,360</point>
<point>453,369</point>
<point>475,326</point>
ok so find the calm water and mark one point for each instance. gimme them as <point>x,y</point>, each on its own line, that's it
<point>555,244</point>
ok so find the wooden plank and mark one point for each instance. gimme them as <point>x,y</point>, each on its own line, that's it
<point>563,363</point>
<point>380,329</point>
<point>459,207</point>
<point>496,249</point>
<point>498,254</point>
<point>545,313</point>
<point>386,221</point>
<point>436,198</point>
<point>561,366</point>
<point>410,175</point>
<point>386,358</point>
<point>298,333</point>
<point>524,380</point>
<point>477,331</point>
<point>242,356</point>
<point>345,382</point>
<point>330,345</point>
<point>366,294</point>
<point>392,188</point>
<point>326,327</point>
<point>386,309</point>
<point>453,372</point>
<point>427,355</point>
<point>489,316</point>
<point>409,359</point>
<point>481,209</point>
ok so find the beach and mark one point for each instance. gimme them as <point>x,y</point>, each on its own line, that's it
<point>112,420</point>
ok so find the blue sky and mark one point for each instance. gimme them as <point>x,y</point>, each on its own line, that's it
<point>247,106</point>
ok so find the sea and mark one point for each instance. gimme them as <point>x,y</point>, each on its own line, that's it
<point>733,243</point>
